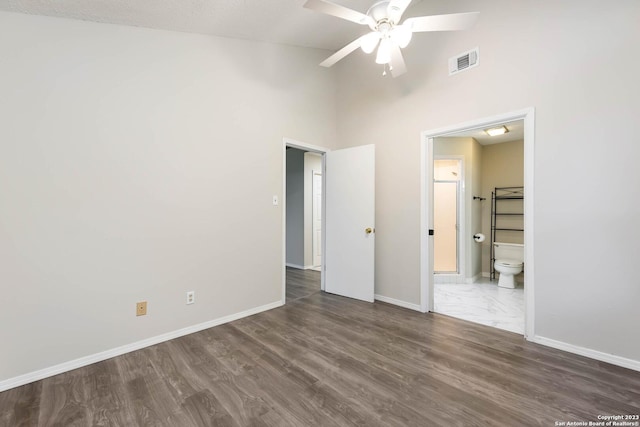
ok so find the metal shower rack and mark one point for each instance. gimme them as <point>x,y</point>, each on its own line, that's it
<point>503,194</point>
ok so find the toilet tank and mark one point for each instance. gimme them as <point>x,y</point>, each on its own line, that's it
<point>514,251</point>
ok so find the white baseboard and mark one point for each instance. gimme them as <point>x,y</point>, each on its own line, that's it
<point>587,352</point>
<point>397,302</point>
<point>108,354</point>
<point>299,267</point>
<point>473,279</point>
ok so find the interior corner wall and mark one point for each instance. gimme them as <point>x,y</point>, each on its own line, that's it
<point>583,85</point>
<point>502,166</point>
<point>137,165</point>
<point>295,208</point>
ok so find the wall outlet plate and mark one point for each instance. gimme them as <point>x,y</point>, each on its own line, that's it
<point>141,308</point>
<point>191,297</point>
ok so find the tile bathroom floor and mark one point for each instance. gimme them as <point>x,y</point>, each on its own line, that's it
<point>482,302</point>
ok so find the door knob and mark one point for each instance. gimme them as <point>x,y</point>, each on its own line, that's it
<point>369,230</point>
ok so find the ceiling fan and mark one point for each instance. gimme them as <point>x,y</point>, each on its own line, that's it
<point>388,34</point>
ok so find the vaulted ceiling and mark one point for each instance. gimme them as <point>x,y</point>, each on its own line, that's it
<point>277,21</point>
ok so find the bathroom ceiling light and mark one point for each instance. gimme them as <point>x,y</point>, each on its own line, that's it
<point>497,131</point>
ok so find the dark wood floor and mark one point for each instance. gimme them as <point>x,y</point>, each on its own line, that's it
<point>301,283</point>
<point>327,360</point>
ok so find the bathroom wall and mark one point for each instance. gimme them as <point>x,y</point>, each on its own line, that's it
<point>471,151</point>
<point>502,166</point>
<point>295,208</point>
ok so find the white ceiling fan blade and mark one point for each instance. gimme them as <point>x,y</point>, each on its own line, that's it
<point>398,67</point>
<point>452,22</point>
<point>342,52</point>
<point>338,11</point>
<point>396,8</point>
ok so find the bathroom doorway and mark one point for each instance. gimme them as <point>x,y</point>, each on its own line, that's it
<point>471,294</point>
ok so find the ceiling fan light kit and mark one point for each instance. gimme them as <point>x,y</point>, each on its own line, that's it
<point>387,34</point>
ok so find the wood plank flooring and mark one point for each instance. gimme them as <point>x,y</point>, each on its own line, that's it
<point>301,283</point>
<point>324,360</point>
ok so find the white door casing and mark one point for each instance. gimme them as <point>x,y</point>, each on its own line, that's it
<point>350,222</point>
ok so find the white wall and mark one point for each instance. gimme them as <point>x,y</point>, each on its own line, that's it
<point>296,210</point>
<point>312,163</point>
<point>571,61</point>
<point>137,165</point>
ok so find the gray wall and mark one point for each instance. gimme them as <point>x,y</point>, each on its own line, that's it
<point>138,164</point>
<point>584,86</point>
<point>295,207</point>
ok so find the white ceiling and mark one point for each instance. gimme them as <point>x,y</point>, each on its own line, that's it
<point>516,133</point>
<point>277,21</point>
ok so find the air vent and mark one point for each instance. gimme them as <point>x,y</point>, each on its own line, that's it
<point>464,61</point>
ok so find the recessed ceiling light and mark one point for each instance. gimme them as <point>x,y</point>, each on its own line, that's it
<point>496,131</point>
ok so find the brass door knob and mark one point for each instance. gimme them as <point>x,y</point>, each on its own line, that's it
<point>368,230</point>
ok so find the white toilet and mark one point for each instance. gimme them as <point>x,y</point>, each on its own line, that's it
<point>509,262</point>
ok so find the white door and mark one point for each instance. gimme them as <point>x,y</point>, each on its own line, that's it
<point>350,222</point>
<point>316,218</point>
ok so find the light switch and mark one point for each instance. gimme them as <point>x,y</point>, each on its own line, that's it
<point>275,200</point>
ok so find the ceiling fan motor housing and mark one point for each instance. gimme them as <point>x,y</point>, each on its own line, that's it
<point>380,14</point>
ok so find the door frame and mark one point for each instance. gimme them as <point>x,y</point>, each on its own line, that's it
<point>289,142</point>
<point>461,249</point>
<point>426,206</point>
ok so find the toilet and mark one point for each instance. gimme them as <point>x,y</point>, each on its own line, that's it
<point>509,262</point>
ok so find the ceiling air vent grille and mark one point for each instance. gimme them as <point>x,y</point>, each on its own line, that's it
<point>464,61</point>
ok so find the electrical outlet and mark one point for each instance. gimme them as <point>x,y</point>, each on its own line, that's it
<point>191,297</point>
<point>141,308</point>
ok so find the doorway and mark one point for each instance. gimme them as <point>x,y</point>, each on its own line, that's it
<point>345,214</point>
<point>476,199</point>
<point>303,225</point>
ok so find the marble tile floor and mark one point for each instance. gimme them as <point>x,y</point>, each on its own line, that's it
<point>482,302</point>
